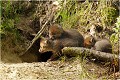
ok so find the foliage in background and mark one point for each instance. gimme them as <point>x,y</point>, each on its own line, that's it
<point>66,16</point>
<point>75,13</point>
<point>109,15</point>
<point>10,16</point>
<point>115,36</point>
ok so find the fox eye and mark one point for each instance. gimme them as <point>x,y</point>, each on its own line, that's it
<point>44,46</point>
<point>89,41</point>
<point>52,33</point>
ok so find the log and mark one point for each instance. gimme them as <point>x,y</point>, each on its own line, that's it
<point>74,51</point>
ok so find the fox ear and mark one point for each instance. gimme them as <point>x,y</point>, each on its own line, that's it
<point>93,40</point>
<point>47,41</point>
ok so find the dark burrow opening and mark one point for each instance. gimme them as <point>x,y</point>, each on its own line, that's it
<point>44,56</point>
<point>33,54</point>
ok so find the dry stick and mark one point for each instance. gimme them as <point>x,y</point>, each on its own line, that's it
<point>38,34</point>
<point>41,31</point>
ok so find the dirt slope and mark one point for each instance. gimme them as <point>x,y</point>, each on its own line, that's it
<point>54,70</point>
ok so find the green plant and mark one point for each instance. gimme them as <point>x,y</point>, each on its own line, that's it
<point>108,15</point>
<point>67,15</point>
<point>75,14</point>
<point>9,17</point>
<point>115,36</point>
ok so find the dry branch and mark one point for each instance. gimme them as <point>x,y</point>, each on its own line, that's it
<point>73,51</point>
<point>39,33</point>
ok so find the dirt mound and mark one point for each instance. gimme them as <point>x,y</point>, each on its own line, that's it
<point>56,70</point>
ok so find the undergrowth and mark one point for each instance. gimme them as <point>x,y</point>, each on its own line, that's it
<point>11,41</point>
<point>74,14</point>
<point>115,36</point>
<point>9,17</point>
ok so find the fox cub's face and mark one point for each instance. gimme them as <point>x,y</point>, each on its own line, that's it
<point>55,31</point>
<point>45,45</point>
<point>89,42</point>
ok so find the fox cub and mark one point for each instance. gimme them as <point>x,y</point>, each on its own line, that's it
<point>46,44</point>
<point>59,38</point>
<point>68,37</point>
<point>102,45</point>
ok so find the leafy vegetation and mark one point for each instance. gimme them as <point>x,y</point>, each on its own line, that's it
<point>109,15</point>
<point>10,36</point>
<point>10,16</point>
<point>115,36</point>
<point>74,14</point>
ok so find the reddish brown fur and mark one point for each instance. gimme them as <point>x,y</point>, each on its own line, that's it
<point>103,45</point>
<point>55,31</point>
<point>55,46</point>
<point>60,38</point>
<point>68,37</point>
<point>89,42</point>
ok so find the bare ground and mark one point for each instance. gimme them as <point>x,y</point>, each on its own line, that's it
<point>54,70</point>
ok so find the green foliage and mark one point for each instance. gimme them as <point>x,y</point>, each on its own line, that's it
<point>109,15</point>
<point>75,13</point>
<point>10,16</point>
<point>115,36</point>
<point>67,15</point>
<point>10,9</point>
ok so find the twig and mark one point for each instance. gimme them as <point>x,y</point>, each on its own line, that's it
<point>38,34</point>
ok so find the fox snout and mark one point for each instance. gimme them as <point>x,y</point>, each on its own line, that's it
<point>41,51</point>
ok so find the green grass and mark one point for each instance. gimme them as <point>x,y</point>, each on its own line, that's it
<point>74,14</point>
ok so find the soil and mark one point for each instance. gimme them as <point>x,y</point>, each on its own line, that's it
<point>55,70</point>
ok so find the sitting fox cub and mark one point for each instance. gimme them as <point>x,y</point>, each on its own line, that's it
<point>46,44</point>
<point>102,45</point>
<point>59,38</point>
<point>57,32</point>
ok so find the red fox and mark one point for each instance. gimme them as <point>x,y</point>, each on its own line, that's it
<point>89,42</point>
<point>59,38</point>
<point>103,45</point>
<point>69,37</point>
<point>46,44</point>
